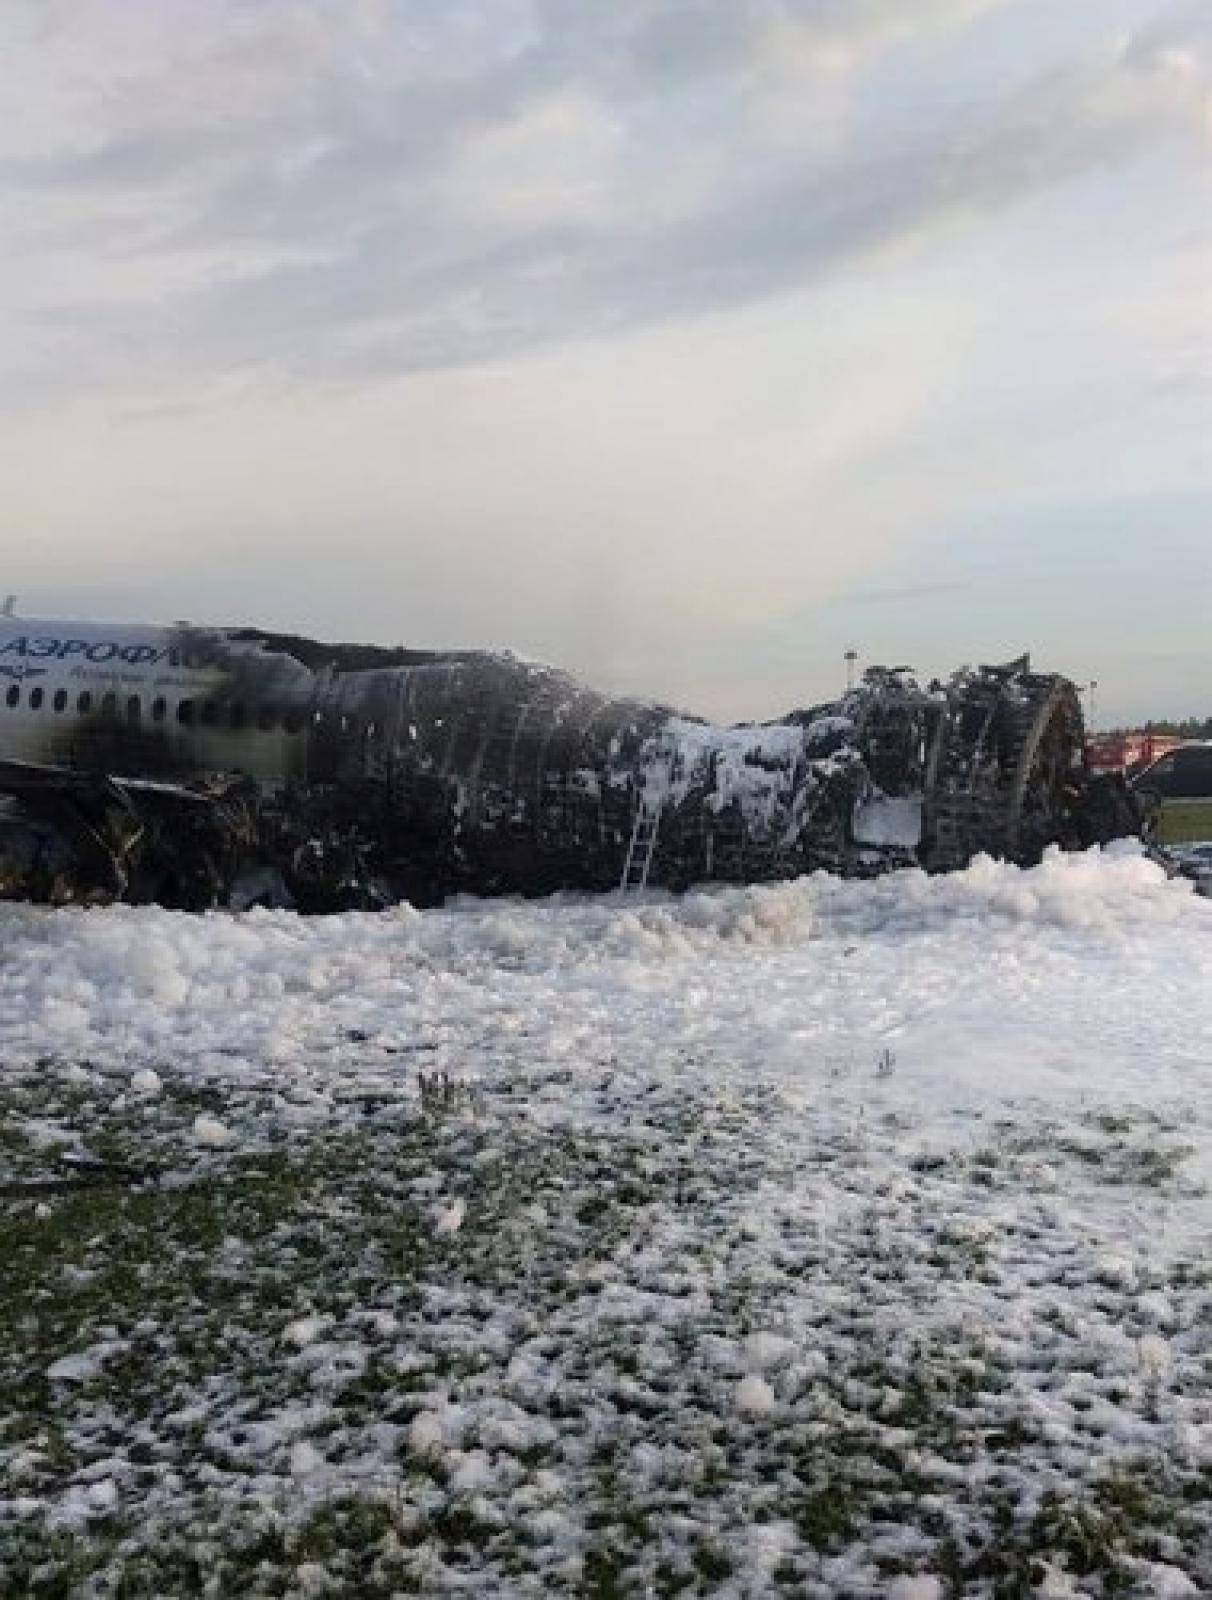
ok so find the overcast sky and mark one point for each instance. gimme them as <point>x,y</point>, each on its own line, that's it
<point>684,343</point>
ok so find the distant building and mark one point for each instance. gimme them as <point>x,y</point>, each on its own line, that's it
<point>1125,752</point>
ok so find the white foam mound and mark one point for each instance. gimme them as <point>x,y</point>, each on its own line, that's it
<point>754,969</point>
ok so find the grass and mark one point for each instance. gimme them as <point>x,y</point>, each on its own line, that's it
<point>602,1264</point>
<point>1184,822</point>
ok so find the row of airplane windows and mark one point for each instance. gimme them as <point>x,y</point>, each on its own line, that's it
<point>208,713</point>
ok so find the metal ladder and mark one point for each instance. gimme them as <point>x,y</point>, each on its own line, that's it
<point>642,846</point>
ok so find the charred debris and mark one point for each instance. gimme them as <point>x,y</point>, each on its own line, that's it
<point>335,777</point>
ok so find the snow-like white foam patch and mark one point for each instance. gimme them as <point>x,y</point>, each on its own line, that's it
<point>82,1366</point>
<point>450,1218</point>
<point>754,1397</point>
<point>211,1133</point>
<point>305,1330</point>
<point>305,1459</point>
<point>426,1433</point>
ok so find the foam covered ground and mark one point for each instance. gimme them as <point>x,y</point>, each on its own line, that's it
<point>830,1238</point>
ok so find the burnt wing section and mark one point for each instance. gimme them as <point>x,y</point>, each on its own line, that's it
<point>329,776</point>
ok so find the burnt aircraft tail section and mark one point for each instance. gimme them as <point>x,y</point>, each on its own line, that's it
<point>1005,768</point>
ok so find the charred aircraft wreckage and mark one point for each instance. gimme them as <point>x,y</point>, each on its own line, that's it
<point>200,767</point>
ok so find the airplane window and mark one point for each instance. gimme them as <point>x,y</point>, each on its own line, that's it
<point>13,696</point>
<point>235,714</point>
<point>185,712</point>
<point>209,713</point>
<point>159,707</point>
<point>133,709</point>
<point>35,699</point>
<point>84,702</point>
<point>60,701</point>
<point>109,705</point>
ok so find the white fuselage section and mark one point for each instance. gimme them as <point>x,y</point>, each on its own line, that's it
<point>71,692</point>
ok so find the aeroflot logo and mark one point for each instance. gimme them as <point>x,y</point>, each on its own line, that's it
<point>134,655</point>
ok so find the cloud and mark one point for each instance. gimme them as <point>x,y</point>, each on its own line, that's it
<point>346,191</point>
<point>897,594</point>
<point>685,342</point>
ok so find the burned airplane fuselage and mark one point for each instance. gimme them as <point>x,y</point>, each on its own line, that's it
<point>199,767</point>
